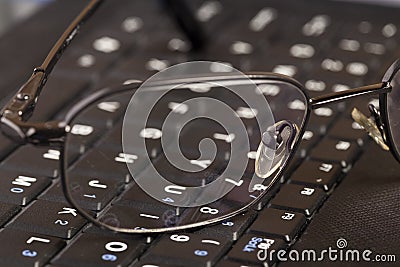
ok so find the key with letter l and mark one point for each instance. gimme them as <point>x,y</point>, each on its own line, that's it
<point>27,249</point>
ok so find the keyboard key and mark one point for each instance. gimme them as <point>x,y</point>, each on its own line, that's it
<point>200,170</point>
<point>231,228</point>
<point>82,136</point>
<point>250,156</point>
<point>50,218</point>
<point>257,41</point>
<point>88,192</point>
<point>310,138</point>
<point>279,223</point>
<point>107,112</point>
<point>59,92</point>
<point>188,249</point>
<point>298,198</point>
<point>99,250</point>
<point>107,43</point>
<point>321,119</point>
<point>34,160</point>
<point>347,129</point>
<point>6,146</point>
<point>328,78</point>
<point>109,163</point>
<point>317,174</point>
<point>136,197</point>
<point>197,130</point>
<point>20,188</point>
<point>267,197</point>
<point>229,263</point>
<point>247,249</point>
<point>84,63</point>
<point>210,14</point>
<point>23,248</point>
<point>156,216</point>
<point>7,211</point>
<point>334,150</point>
<point>345,63</point>
<point>145,140</point>
<point>144,66</point>
<point>54,193</point>
<point>113,138</point>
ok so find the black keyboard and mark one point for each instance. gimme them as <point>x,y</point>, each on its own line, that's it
<point>327,46</point>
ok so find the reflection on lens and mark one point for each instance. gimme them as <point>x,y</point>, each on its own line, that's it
<point>182,158</point>
<point>265,154</point>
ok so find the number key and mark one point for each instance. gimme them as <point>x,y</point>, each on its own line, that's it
<point>231,228</point>
<point>50,218</point>
<point>27,249</point>
<point>100,250</point>
<point>188,249</point>
<point>20,188</point>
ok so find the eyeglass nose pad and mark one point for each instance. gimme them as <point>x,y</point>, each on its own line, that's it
<point>275,147</point>
<point>373,128</point>
<point>378,120</point>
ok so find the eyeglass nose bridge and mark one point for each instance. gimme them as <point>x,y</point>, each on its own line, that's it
<point>275,147</point>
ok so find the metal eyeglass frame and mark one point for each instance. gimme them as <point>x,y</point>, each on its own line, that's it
<point>15,124</point>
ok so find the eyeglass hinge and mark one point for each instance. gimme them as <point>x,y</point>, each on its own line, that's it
<point>47,133</point>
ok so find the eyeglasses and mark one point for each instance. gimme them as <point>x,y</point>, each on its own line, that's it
<point>187,138</point>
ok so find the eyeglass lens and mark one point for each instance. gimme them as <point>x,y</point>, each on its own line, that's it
<point>200,137</point>
<point>393,112</point>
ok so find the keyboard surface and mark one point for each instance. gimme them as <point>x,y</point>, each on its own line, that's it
<point>339,184</point>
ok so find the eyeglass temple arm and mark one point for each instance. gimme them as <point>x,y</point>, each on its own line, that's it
<point>383,87</point>
<point>372,89</point>
<point>68,35</point>
<point>19,109</point>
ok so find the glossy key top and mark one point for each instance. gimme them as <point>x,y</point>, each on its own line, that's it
<point>299,198</point>
<point>279,223</point>
<point>21,248</point>
<point>231,228</point>
<point>7,211</point>
<point>50,218</point>
<point>89,192</point>
<point>317,174</point>
<point>248,249</point>
<point>21,187</point>
<point>35,160</point>
<point>336,150</point>
<point>187,249</point>
<point>99,250</point>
